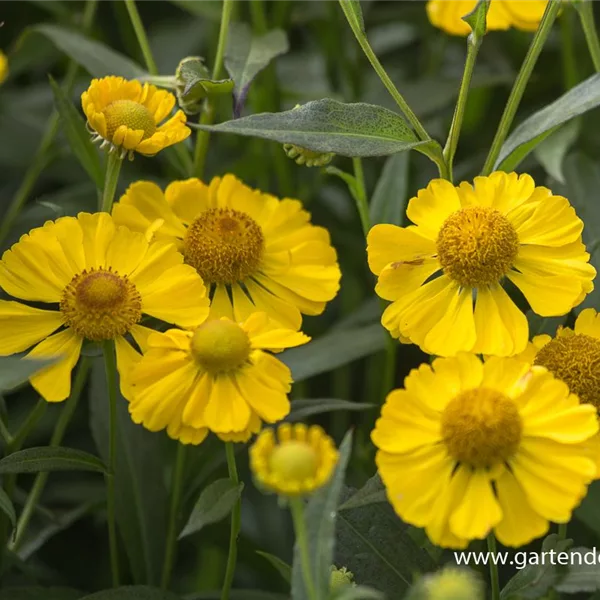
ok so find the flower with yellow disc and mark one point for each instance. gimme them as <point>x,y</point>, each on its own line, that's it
<point>102,279</point>
<point>127,115</point>
<point>256,252</point>
<point>216,378</point>
<point>293,461</point>
<point>444,275</point>
<point>470,447</point>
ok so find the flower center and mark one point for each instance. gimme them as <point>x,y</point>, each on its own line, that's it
<point>220,346</point>
<point>293,461</point>
<point>481,427</point>
<point>477,246</point>
<point>100,304</point>
<point>574,359</point>
<point>131,114</point>
<point>224,245</point>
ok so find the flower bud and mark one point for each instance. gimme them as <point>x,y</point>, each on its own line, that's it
<point>309,158</point>
<point>340,578</point>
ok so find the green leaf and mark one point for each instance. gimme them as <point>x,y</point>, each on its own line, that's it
<point>247,55</point>
<point>39,593</point>
<point>48,458</point>
<point>476,19</point>
<point>552,151</point>
<point>78,136</point>
<point>537,127</point>
<point>282,567</point>
<point>320,517</point>
<point>6,506</point>
<point>132,592</point>
<point>583,573</point>
<point>99,60</point>
<point>353,12</point>
<point>215,502</point>
<point>330,126</point>
<point>388,204</point>
<point>301,409</point>
<point>543,325</point>
<point>14,371</point>
<point>333,350</point>
<point>141,494</point>
<point>375,544</point>
<point>372,492</point>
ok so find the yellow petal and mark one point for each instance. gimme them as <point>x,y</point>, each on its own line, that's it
<point>187,199</point>
<point>269,404</point>
<point>269,335</point>
<point>242,305</point>
<point>575,424</point>
<point>509,376</point>
<point>433,206</point>
<point>98,233</point>
<point>22,326</point>
<point>220,305</point>
<point>127,358</point>
<point>227,409</point>
<point>279,310</point>
<point>588,323</point>
<point>399,279</point>
<point>54,382</point>
<point>193,412</point>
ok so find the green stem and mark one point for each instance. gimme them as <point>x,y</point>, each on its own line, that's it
<point>387,82</point>
<point>236,518</point>
<point>569,58</point>
<point>297,510</point>
<point>208,112</point>
<point>56,439</point>
<point>562,531</point>
<point>176,488</point>
<point>473,45</point>
<point>258,16</point>
<point>361,195</point>
<point>110,364</point>
<point>41,158</point>
<point>495,582</point>
<point>140,34</point>
<point>586,14</point>
<point>5,434</point>
<point>113,168</point>
<point>510,110</point>
<point>28,425</point>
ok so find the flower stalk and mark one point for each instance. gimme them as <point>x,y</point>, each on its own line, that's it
<point>111,179</point>
<point>494,580</point>
<point>297,510</point>
<point>585,8</point>
<point>140,34</point>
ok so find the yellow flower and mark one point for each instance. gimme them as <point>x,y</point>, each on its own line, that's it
<point>447,15</point>
<point>473,237</point>
<point>127,115</point>
<point>3,67</point>
<point>294,461</point>
<point>452,583</point>
<point>257,253</point>
<point>217,377</point>
<point>102,278</point>
<point>466,448</point>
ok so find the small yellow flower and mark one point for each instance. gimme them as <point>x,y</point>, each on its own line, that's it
<point>256,252</point>
<point>216,378</point>
<point>296,460</point>
<point>102,279</point>
<point>3,67</point>
<point>466,448</point>
<point>340,578</point>
<point>474,237</point>
<point>126,115</point>
<point>452,583</point>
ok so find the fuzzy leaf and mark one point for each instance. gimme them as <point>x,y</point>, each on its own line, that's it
<point>14,371</point>
<point>301,409</point>
<point>49,458</point>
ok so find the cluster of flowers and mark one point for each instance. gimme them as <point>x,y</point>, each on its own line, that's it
<point>503,14</point>
<point>469,445</point>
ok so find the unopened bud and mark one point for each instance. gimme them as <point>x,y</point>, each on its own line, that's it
<point>310,158</point>
<point>340,578</point>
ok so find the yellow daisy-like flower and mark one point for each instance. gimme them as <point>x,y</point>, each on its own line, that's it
<point>126,116</point>
<point>466,448</point>
<point>294,461</point>
<point>3,67</point>
<point>102,279</point>
<point>256,252</point>
<point>444,274</point>
<point>216,378</point>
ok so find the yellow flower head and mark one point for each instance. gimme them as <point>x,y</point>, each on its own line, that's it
<point>466,448</point>
<point>502,14</point>
<point>257,253</point>
<point>466,240</point>
<point>216,378</point>
<point>452,583</point>
<point>3,67</point>
<point>102,279</point>
<point>296,460</point>
<point>126,115</point>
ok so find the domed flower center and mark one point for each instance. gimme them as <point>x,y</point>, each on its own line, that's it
<point>131,114</point>
<point>100,304</point>
<point>481,427</point>
<point>224,245</point>
<point>477,246</point>
<point>293,461</point>
<point>574,359</point>
<point>220,346</point>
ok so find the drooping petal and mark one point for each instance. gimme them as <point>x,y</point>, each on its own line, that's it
<point>227,409</point>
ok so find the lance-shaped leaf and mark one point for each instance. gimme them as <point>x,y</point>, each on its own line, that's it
<point>247,55</point>
<point>47,458</point>
<point>330,126</point>
<point>15,371</point>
